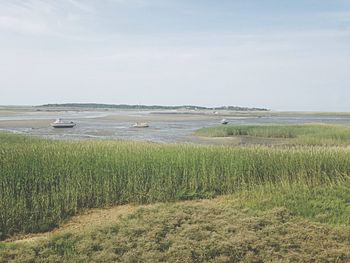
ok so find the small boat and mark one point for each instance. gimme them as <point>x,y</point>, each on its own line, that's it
<point>224,121</point>
<point>58,123</point>
<point>140,125</point>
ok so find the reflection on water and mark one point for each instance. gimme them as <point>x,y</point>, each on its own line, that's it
<point>163,127</point>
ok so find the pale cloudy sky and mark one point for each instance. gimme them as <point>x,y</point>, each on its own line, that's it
<point>279,54</point>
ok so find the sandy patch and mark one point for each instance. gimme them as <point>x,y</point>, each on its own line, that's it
<point>88,220</point>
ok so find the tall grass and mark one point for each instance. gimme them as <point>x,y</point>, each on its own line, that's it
<point>301,134</point>
<point>43,182</point>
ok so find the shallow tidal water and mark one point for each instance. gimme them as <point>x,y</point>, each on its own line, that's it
<point>165,127</point>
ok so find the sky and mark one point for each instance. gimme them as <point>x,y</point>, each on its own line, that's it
<point>276,54</point>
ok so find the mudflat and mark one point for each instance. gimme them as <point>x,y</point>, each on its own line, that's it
<point>165,126</point>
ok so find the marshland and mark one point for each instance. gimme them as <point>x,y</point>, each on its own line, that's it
<point>143,131</point>
<point>223,200</point>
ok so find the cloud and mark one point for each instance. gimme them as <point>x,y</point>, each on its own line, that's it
<point>135,3</point>
<point>82,6</point>
<point>22,25</point>
<point>44,17</point>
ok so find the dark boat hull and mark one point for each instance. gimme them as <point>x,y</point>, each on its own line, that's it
<point>65,125</point>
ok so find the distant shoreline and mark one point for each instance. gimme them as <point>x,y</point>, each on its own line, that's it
<point>149,107</point>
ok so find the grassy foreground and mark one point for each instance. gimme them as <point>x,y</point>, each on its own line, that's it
<point>296,134</point>
<point>217,230</point>
<point>44,182</point>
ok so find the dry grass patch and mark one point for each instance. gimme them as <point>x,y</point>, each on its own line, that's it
<point>194,231</point>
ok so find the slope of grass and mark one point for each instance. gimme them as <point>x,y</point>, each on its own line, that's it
<point>300,134</point>
<point>216,230</point>
<point>328,203</point>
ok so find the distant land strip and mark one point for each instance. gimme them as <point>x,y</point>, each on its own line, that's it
<point>151,107</point>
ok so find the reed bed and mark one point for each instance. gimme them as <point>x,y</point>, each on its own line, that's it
<point>298,134</point>
<point>43,182</point>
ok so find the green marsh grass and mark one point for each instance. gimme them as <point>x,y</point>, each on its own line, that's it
<point>298,134</point>
<point>43,182</point>
<point>327,203</point>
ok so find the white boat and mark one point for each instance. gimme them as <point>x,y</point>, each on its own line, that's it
<point>140,125</point>
<point>224,121</point>
<point>58,123</point>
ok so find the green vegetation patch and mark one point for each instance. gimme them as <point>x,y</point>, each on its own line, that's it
<point>300,134</point>
<point>325,203</point>
<point>196,231</point>
<point>44,182</point>
<point>7,138</point>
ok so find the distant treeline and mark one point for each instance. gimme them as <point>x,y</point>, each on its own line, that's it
<point>151,107</point>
